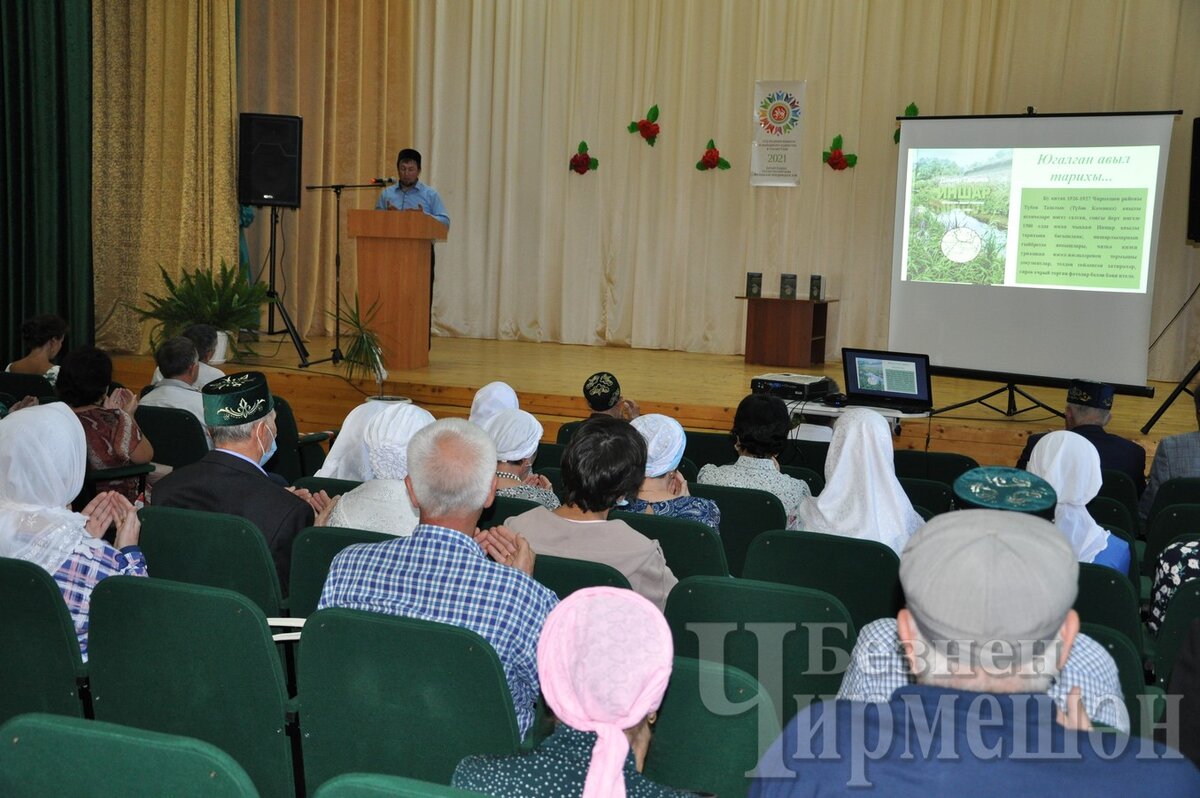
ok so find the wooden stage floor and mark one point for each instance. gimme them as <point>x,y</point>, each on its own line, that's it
<point>702,391</point>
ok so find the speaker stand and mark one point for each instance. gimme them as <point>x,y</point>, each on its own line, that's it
<point>276,301</point>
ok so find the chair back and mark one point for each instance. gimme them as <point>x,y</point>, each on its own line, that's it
<point>18,386</point>
<point>176,435</point>
<point>934,495</point>
<point>286,460</point>
<point>1180,490</point>
<point>332,487</point>
<point>687,469</point>
<point>1131,673</point>
<point>1108,513</point>
<point>192,660</point>
<point>565,432</point>
<point>863,574</point>
<point>704,448</point>
<point>377,785</point>
<point>426,694</point>
<point>312,552</point>
<point>941,466</point>
<point>504,508</point>
<point>745,512</point>
<point>1181,611</point>
<point>707,701</point>
<point>1165,526</point>
<point>564,575</point>
<point>1107,598</point>
<point>807,454</point>
<point>41,668</point>
<point>549,455</point>
<point>554,474</point>
<point>691,548</point>
<point>816,482</point>
<point>214,549</point>
<point>1118,485</point>
<point>765,629</point>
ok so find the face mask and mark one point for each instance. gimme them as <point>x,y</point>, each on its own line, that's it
<point>269,453</point>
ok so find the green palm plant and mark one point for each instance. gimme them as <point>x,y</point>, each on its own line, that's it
<point>203,296</point>
<point>364,353</point>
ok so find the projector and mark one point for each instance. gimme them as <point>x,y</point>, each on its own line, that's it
<point>793,387</point>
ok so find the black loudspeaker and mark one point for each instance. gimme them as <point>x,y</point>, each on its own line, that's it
<point>1194,197</point>
<point>269,160</point>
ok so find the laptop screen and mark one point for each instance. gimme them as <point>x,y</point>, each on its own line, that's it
<point>887,379</point>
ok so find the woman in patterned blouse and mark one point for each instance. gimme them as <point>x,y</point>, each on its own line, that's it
<point>516,435</point>
<point>664,491</point>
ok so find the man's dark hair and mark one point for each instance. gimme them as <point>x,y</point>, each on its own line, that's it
<point>85,376</point>
<point>408,154</point>
<point>604,463</point>
<point>760,425</point>
<point>38,330</point>
<point>175,356</point>
<point>204,336</point>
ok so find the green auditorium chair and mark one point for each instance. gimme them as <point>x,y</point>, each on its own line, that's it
<point>105,760</point>
<point>687,469</point>
<point>504,508</point>
<point>1119,486</point>
<point>566,431</point>
<point>378,785</point>
<point>863,574</point>
<point>941,466</point>
<point>1143,702</point>
<point>554,474</point>
<point>690,547</point>
<point>402,696</point>
<point>192,660</point>
<point>932,494</point>
<point>1108,598</point>
<point>549,455</point>
<point>298,455</point>
<point>332,487</point>
<point>765,629</point>
<point>19,386</point>
<point>806,454</point>
<point>1182,610</point>
<point>312,552</point>
<point>745,512</point>
<point>1169,524</point>
<point>816,482</point>
<point>41,669</point>
<point>705,448</point>
<point>564,575</point>
<point>1181,490</point>
<point>176,435</point>
<point>705,702</point>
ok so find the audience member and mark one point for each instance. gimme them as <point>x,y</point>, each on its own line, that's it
<point>1089,408</point>
<point>177,359</point>
<point>1179,562</point>
<point>113,437</point>
<point>43,339</point>
<point>602,467</point>
<point>604,658</point>
<point>442,572</point>
<point>760,430</point>
<point>664,491</point>
<point>204,336</point>
<point>43,457</point>
<point>348,457</point>
<point>987,628</point>
<point>382,504</point>
<point>490,400</point>
<point>862,497</point>
<point>240,414</point>
<point>1072,467</point>
<point>516,435</point>
<point>1177,456</point>
<point>603,395</point>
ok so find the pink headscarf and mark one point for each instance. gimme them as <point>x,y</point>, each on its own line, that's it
<point>604,659</point>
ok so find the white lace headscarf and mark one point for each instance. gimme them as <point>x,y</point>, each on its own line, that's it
<point>515,433</point>
<point>490,400</point>
<point>387,438</point>
<point>1071,464</point>
<point>43,456</point>
<point>862,497</point>
<point>348,456</point>
<point>665,442</point>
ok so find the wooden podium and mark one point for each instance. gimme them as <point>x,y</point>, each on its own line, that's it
<point>786,332</point>
<point>393,270</point>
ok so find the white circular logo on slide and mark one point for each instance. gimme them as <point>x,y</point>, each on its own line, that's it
<point>961,244</point>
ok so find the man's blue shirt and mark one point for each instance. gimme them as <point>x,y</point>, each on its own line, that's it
<point>420,197</point>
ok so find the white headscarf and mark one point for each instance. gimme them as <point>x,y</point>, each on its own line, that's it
<point>515,433</point>
<point>43,456</point>
<point>490,400</point>
<point>1071,464</point>
<point>665,442</point>
<point>348,456</point>
<point>387,436</point>
<point>862,497</point>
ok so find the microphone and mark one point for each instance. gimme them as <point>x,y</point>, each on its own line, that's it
<point>382,181</point>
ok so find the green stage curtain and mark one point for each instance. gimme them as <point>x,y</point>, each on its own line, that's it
<point>45,167</point>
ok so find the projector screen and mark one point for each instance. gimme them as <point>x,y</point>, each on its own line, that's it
<point>1026,245</point>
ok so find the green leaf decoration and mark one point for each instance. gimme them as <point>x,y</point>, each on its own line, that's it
<point>711,145</point>
<point>722,163</point>
<point>364,352</point>
<point>582,147</point>
<point>633,127</point>
<point>650,141</point>
<point>652,114</point>
<point>837,142</point>
<point>699,166</point>
<point>896,137</point>
<point>912,110</point>
<point>593,164</point>
<point>825,156</point>
<point>851,160</point>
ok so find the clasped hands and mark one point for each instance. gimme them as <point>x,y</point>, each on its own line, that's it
<point>112,507</point>
<point>506,547</point>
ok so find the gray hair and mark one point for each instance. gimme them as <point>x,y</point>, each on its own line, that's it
<point>451,464</point>
<point>236,433</point>
<point>1085,414</point>
<point>1026,666</point>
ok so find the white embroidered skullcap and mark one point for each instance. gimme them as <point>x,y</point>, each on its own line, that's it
<point>515,433</point>
<point>665,441</point>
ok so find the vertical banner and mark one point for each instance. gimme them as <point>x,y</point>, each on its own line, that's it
<point>775,153</point>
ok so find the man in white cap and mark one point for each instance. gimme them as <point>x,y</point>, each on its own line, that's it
<point>988,626</point>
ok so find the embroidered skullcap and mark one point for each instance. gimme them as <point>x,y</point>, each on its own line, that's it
<point>1001,488</point>
<point>387,436</point>
<point>665,442</point>
<point>515,433</point>
<point>1091,394</point>
<point>602,391</point>
<point>604,659</point>
<point>490,400</point>
<point>237,399</point>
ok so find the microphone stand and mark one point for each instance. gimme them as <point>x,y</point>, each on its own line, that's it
<point>335,355</point>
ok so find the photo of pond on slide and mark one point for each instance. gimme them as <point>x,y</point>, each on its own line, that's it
<point>958,215</point>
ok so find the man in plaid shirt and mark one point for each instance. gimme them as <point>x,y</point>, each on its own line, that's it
<point>442,572</point>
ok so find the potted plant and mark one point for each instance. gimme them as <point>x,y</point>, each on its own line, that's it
<point>204,296</point>
<point>364,353</point>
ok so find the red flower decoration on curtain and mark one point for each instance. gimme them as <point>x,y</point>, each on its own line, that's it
<point>711,159</point>
<point>837,159</point>
<point>648,127</point>
<point>582,162</point>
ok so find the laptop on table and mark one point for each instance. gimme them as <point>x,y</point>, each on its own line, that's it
<point>898,381</point>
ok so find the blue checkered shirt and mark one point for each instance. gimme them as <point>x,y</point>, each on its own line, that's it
<point>437,574</point>
<point>878,668</point>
